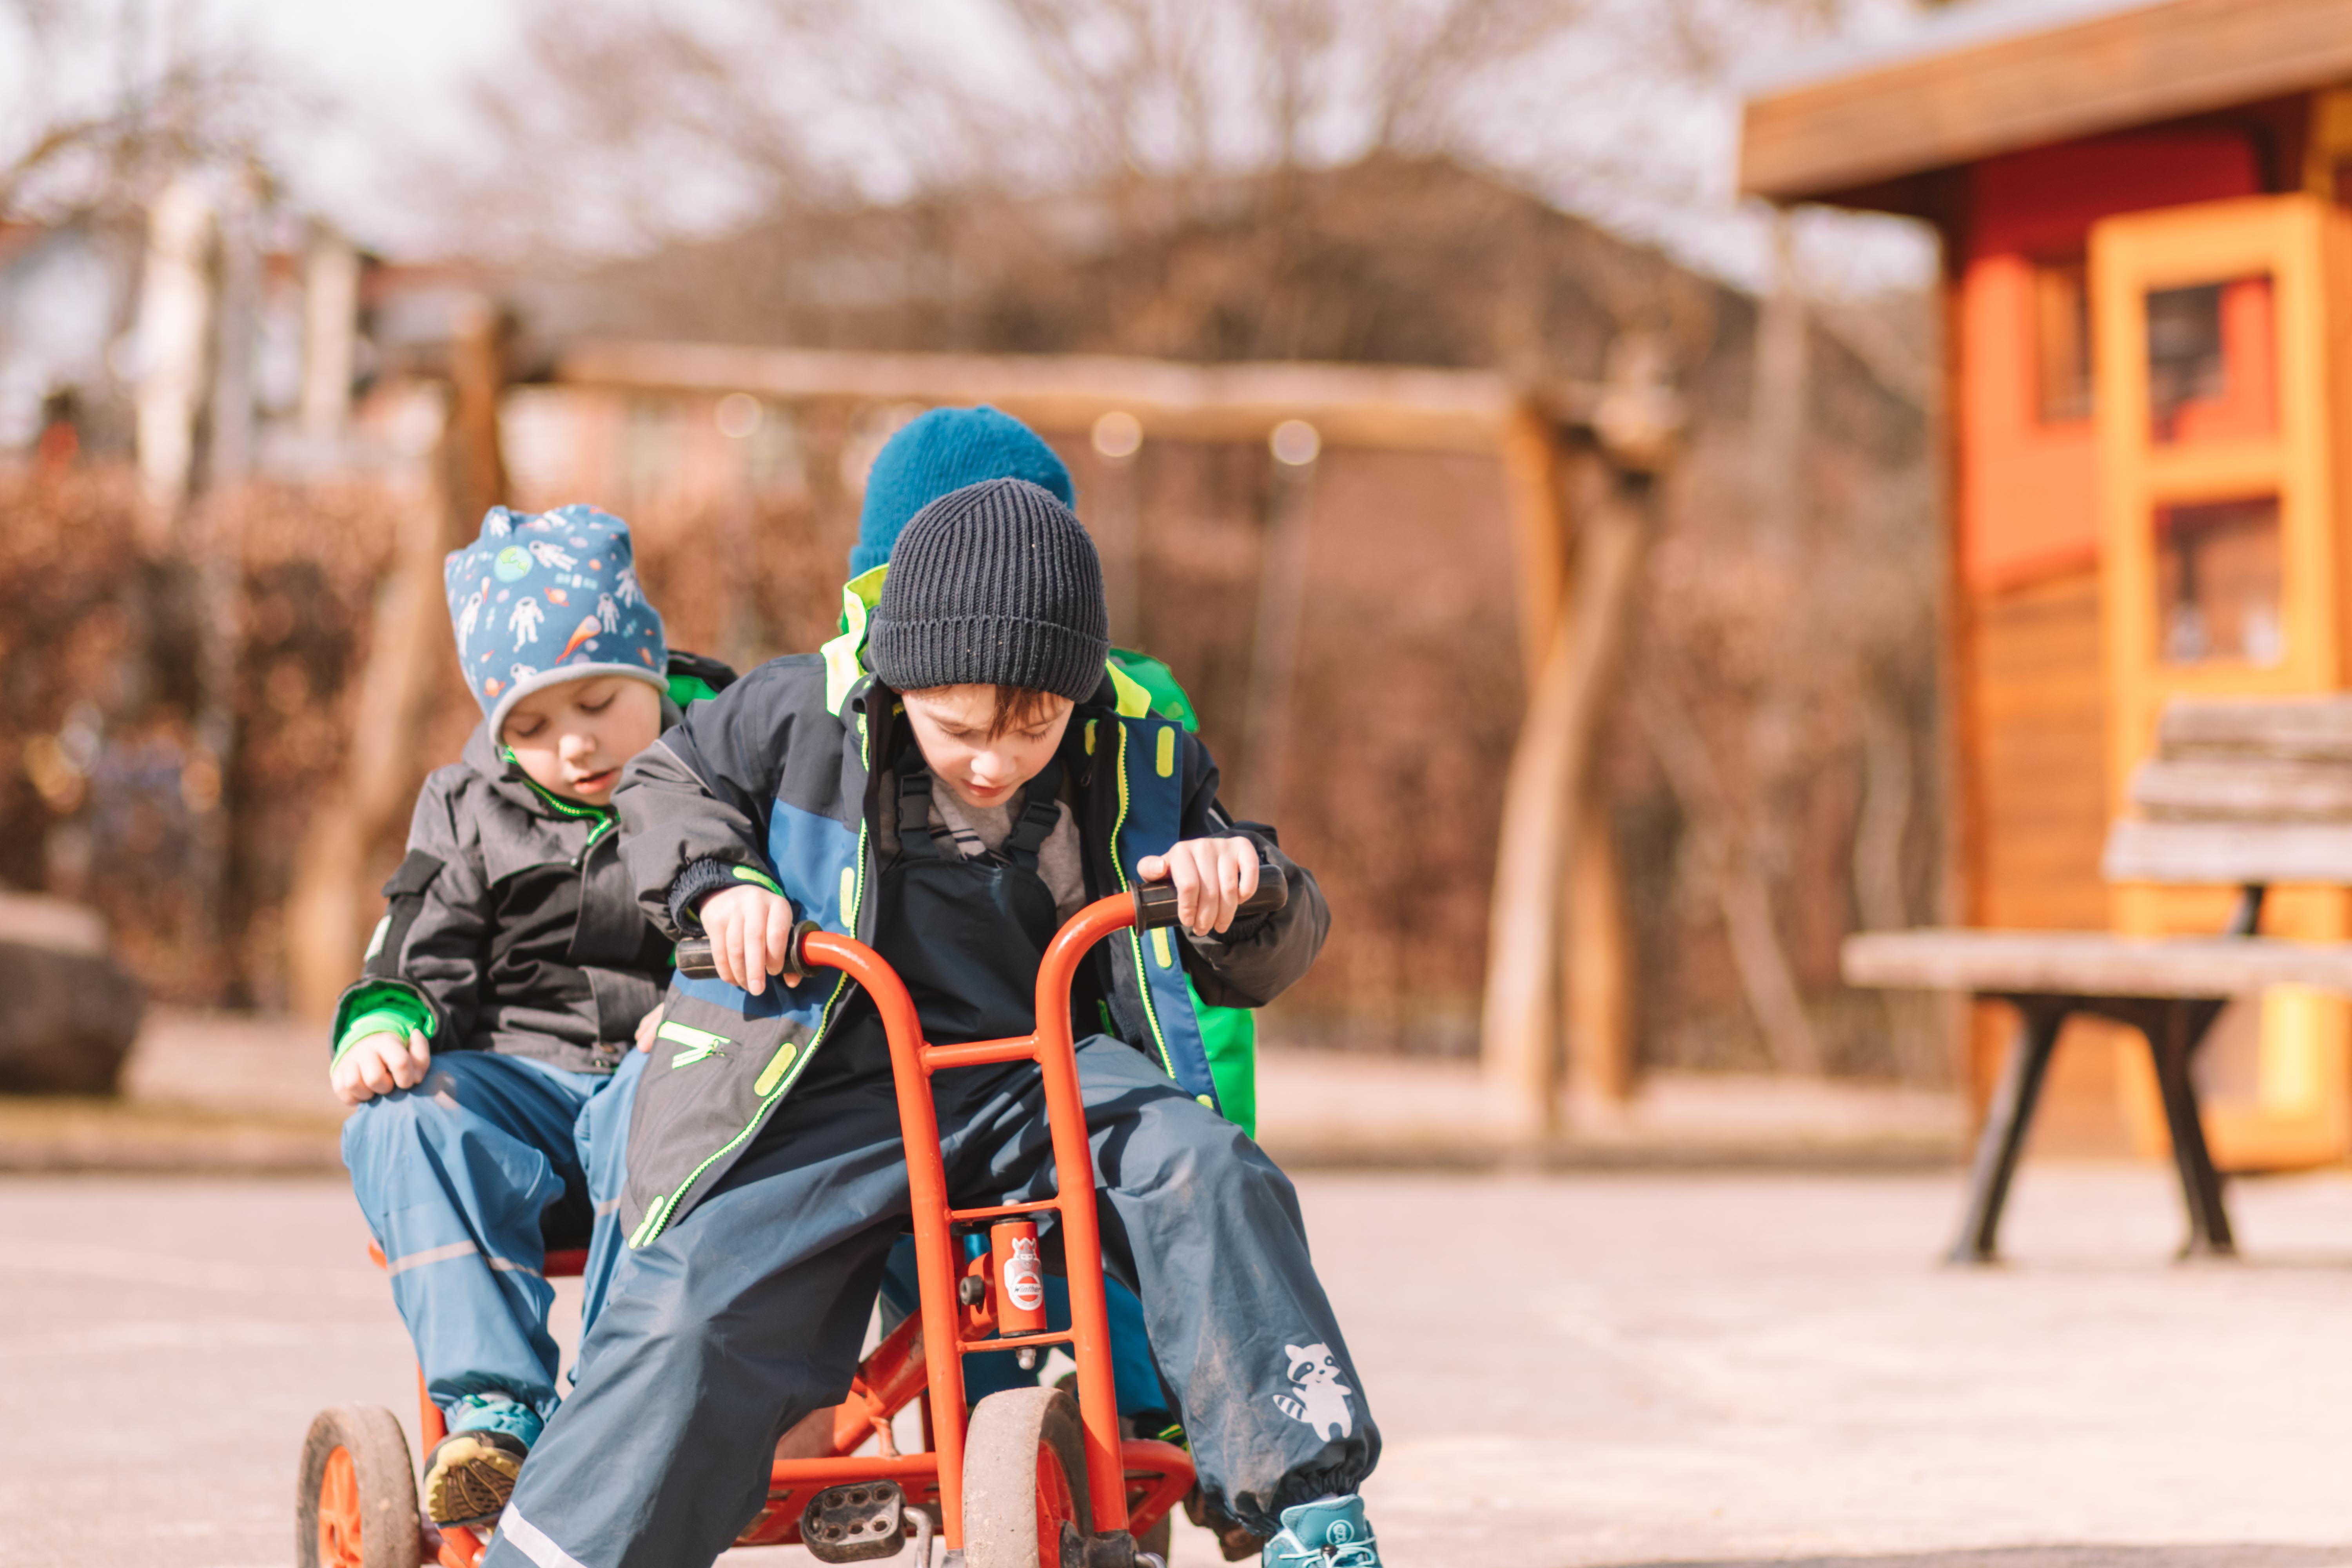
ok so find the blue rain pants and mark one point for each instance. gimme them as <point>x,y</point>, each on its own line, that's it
<point>749,1312</point>
<point>467,1180</point>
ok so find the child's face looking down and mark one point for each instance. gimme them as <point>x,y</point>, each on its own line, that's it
<point>951,724</point>
<point>573,739</point>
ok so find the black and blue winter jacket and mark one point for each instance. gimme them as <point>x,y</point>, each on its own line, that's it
<point>777,782</point>
<point>510,926</point>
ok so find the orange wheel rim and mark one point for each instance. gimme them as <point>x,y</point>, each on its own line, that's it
<point>1055,1505</point>
<point>338,1512</point>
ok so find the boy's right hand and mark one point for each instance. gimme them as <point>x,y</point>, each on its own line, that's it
<point>751,931</point>
<point>378,1064</point>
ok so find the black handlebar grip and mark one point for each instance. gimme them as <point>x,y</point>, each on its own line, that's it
<point>1155,903</point>
<point>694,960</point>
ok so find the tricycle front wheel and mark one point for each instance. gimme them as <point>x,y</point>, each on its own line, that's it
<point>355,1502</point>
<point>1025,1478</point>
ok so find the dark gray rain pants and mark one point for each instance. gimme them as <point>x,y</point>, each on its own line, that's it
<point>749,1312</point>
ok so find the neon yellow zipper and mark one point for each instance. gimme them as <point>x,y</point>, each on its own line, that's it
<point>1134,937</point>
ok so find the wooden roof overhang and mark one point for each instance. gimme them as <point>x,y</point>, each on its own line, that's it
<point>1875,128</point>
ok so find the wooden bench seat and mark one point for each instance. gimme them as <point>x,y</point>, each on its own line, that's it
<point>2014,962</point>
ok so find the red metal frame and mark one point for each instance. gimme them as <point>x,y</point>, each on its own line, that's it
<point>913,1062</point>
<point>1133,1484</point>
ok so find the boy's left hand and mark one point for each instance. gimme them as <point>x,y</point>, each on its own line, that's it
<point>646,1027</point>
<point>1212,876</point>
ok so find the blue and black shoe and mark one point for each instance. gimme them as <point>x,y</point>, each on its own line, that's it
<point>1331,1533</point>
<point>470,1473</point>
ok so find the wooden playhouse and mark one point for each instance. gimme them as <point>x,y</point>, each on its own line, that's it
<point>2146,212</point>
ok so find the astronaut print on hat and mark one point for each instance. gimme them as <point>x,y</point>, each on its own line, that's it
<point>548,597</point>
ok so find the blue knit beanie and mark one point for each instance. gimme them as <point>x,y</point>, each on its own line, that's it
<point>540,600</point>
<point>941,451</point>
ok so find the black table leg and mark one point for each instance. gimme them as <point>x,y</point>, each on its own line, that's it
<point>2006,1120</point>
<point>2174,1040</point>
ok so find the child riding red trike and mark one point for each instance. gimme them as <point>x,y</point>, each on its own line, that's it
<point>1008,1485</point>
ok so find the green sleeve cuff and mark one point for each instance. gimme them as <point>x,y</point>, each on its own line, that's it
<point>380,1009</point>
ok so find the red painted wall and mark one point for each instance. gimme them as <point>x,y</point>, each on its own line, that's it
<point>2029,489</point>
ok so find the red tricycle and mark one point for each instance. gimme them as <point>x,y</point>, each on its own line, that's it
<point>1031,1481</point>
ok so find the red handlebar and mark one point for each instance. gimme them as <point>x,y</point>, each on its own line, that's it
<point>1154,904</point>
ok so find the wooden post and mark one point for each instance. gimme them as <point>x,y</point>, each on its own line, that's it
<point>1598,957</point>
<point>1593,988</point>
<point>1555,938</point>
<point>351,834</point>
<point>175,317</point>
<point>474,469</point>
<point>1520,1040</point>
<point>214,548</point>
<point>331,313</point>
<point>734,503</point>
<point>1281,604</point>
<point>1118,441</point>
<point>408,643</point>
<point>1542,794</point>
<point>1530,450</point>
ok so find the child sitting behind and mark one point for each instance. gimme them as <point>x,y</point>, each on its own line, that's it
<point>486,1043</point>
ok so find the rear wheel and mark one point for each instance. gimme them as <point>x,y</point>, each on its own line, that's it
<point>355,1503</point>
<point>1025,1478</point>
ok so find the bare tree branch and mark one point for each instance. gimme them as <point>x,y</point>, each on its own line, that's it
<point>108,151</point>
<point>1743,897</point>
<point>761,101</point>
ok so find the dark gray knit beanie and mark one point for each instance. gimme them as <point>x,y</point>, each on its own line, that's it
<point>994,585</point>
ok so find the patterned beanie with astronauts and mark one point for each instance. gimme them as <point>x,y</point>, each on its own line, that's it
<point>542,599</point>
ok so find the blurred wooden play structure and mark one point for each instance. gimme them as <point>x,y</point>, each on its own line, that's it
<point>1570,580</point>
<point>2147,286</point>
<point>1484,478</point>
<point>1559,962</point>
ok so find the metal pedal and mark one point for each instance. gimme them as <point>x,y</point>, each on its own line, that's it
<point>856,1522</point>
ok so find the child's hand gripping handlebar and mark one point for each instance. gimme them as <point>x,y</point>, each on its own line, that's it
<point>1155,905</point>
<point>695,962</point>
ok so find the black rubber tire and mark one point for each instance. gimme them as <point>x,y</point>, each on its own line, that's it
<point>392,1532</point>
<point>1001,1450</point>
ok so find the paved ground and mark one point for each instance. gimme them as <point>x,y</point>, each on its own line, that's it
<point>247,1093</point>
<point>1571,1370</point>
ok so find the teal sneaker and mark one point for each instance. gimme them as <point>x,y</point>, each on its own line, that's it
<point>470,1473</point>
<point>1331,1533</point>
